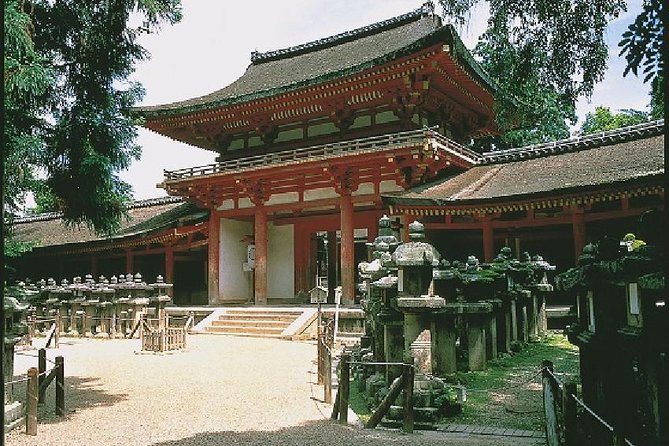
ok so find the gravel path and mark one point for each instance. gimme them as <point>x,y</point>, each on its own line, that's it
<point>222,390</point>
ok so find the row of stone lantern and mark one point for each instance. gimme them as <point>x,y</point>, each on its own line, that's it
<point>107,308</point>
<point>421,305</point>
<point>622,332</point>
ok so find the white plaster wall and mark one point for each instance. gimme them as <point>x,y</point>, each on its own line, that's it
<point>234,283</point>
<point>390,186</point>
<point>280,261</point>
<point>319,194</point>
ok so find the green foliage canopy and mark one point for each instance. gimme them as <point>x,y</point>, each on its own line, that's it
<point>603,119</point>
<point>68,99</point>
<point>544,55</point>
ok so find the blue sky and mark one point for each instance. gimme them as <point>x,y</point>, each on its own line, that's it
<point>211,47</point>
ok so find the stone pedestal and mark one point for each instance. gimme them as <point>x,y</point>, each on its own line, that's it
<point>393,348</point>
<point>418,341</point>
<point>88,309</point>
<point>476,342</point>
<point>444,338</point>
<point>532,329</point>
<point>491,338</point>
<point>514,320</point>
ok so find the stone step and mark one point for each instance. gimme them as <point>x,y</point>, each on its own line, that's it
<point>264,311</point>
<point>257,317</point>
<point>250,323</point>
<point>244,329</point>
<point>209,330</point>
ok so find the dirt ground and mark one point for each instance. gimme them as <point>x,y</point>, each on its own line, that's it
<point>221,390</point>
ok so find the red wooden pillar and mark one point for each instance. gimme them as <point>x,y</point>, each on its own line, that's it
<point>213,255</point>
<point>260,231</point>
<point>488,240</point>
<point>404,233</point>
<point>373,231</point>
<point>578,229</point>
<point>128,261</point>
<point>169,264</point>
<point>347,251</point>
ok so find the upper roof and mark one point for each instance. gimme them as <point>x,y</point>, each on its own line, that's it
<point>145,216</point>
<point>344,54</point>
<point>608,158</point>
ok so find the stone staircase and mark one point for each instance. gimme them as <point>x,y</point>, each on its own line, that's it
<point>255,322</point>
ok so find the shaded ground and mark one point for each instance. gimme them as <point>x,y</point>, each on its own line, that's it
<point>508,393</point>
<point>222,390</point>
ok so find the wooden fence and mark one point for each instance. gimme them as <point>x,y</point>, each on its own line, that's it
<point>164,338</point>
<point>404,382</point>
<point>37,381</point>
<point>569,421</point>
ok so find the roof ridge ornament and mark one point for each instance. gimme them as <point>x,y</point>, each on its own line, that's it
<point>623,134</point>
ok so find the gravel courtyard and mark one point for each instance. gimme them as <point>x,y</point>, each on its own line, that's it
<point>222,390</point>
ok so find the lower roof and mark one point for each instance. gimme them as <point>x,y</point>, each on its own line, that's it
<point>628,159</point>
<point>145,217</point>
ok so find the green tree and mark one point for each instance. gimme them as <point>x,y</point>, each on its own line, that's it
<point>603,119</point>
<point>68,99</point>
<point>644,48</point>
<point>544,55</point>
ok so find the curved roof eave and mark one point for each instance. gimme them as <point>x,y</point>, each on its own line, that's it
<point>446,32</point>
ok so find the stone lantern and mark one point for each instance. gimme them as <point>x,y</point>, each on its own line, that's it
<point>415,261</point>
<point>15,328</point>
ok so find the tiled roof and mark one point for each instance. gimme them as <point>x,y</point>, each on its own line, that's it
<point>628,157</point>
<point>146,216</point>
<point>350,52</point>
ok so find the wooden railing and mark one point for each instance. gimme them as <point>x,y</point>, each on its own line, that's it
<point>326,151</point>
<point>569,421</point>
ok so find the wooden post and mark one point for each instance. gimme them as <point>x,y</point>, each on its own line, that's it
<point>41,368</point>
<point>408,373</point>
<point>332,265</point>
<point>260,239</point>
<point>344,382</point>
<point>347,264</point>
<point>213,254</point>
<point>32,391</point>
<point>552,429</point>
<point>380,411</point>
<point>488,240</point>
<point>327,375</point>
<point>578,231</point>
<point>56,338</point>
<point>320,350</point>
<point>128,260</point>
<point>60,386</point>
<point>335,408</point>
<point>569,412</point>
<point>618,439</point>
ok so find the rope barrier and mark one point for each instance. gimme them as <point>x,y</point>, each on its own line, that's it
<point>18,381</point>
<point>376,363</point>
<point>591,412</point>
<point>34,356</point>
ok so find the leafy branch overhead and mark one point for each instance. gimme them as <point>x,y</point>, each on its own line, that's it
<point>68,100</point>
<point>642,43</point>
<point>546,54</point>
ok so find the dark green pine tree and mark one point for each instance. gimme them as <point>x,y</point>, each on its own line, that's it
<point>70,100</point>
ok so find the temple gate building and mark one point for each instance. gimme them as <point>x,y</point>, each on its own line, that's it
<point>316,142</point>
<point>311,136</point>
